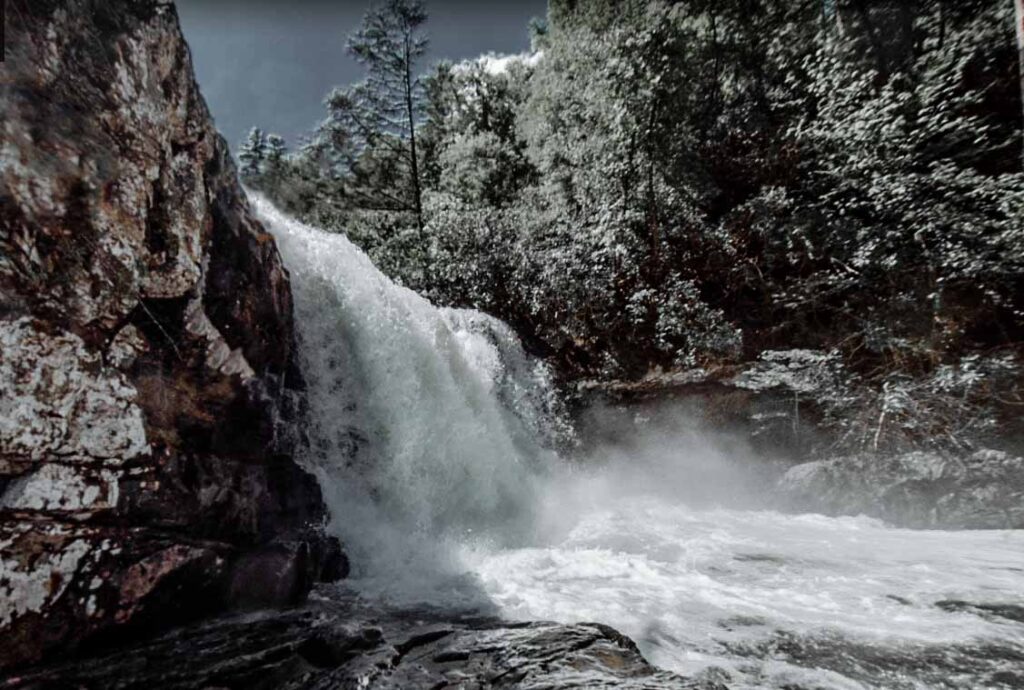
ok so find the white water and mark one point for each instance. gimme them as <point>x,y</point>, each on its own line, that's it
<point>428,429</point>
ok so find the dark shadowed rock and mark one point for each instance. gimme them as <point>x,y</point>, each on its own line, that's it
<point>275,575</point>
<point>336,642</point>
<point>146,368</point>
<point>771,408</point>
<point>282,573</point>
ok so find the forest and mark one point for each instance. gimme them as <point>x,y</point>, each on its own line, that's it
<point>827,187</point>
<point>679,346</point>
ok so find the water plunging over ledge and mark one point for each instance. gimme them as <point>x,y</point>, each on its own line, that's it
<point>430,433</point>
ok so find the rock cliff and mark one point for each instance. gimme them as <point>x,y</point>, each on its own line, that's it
<point>774,416</point>
<point>146,375</point>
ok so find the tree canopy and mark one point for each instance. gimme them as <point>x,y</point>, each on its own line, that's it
<point>674,184</point>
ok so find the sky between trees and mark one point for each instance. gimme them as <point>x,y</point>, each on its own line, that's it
<point>272,61</point>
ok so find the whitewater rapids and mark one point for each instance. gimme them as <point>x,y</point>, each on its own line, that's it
<point>431,432</point>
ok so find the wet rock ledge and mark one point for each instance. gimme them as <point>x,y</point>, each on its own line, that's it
<point>334,642</point>
<point>147,385</point>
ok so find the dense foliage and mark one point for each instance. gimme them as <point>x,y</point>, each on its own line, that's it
<point>672,184</point>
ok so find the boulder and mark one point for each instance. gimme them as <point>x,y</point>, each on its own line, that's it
<point>148,391</point>
<point>981,490</point>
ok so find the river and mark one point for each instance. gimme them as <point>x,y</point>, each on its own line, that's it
<point>431,433</point>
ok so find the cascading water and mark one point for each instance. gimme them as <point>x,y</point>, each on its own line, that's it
<point>429,431</point>
<point>426,425</point>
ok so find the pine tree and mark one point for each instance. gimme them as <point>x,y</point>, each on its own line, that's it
<point>375,121</point>
<point>252,153</point>
<point>275,151</point>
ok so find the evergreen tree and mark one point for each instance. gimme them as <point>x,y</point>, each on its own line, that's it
<point>252,153</point>
<point>538,27</point>
<point>275,151</point>
<point>372,126</point>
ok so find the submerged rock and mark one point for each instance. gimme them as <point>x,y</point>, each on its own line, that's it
<point>146,364</point>
<point>336,642</point>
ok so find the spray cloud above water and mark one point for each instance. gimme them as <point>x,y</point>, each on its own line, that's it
<point>431,433</point>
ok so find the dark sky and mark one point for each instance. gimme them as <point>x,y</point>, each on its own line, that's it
<point>271,62</point>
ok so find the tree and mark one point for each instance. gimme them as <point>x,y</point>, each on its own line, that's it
<point>538,33</point>
<point>1019,16</point>
<point>670,184</point>
<point>276,150</point>
<point>883,31</point>
<point>373,123</point>
<point>471,147</point>
<point>252,153</point>
<point>899,221</point>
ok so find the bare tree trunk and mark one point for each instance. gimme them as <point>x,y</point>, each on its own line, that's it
<point>717,53</point>
<point>877,45</point>
<point>1019,5</point>
<point>410,112</point>
<point>417,191</point>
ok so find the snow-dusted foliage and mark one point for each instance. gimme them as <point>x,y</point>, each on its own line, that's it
<point>958,405</point>
<point>667,185</point>
<point>899,200</point>
<point>799,371</point>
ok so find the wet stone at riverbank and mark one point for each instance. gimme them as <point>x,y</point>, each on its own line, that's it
<point>337,642</point>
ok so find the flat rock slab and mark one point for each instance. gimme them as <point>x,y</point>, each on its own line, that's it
<point>336,641</point>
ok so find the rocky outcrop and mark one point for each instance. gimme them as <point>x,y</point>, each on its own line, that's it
<point>146,376</point>
<point>773,404</point>
<point>337,643</point>
<point>983,490</point>
<point>816,441</point>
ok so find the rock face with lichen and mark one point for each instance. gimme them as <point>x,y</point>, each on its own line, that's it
<point>146,373</point>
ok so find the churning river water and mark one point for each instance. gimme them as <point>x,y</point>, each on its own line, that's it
<point>430,432</point>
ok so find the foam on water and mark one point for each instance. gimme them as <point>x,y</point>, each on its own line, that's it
<point>732,589</point>
<point>428,430</point>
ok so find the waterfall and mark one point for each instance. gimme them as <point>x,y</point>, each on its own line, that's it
<point>430,432</point>
<point>424,424</point>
